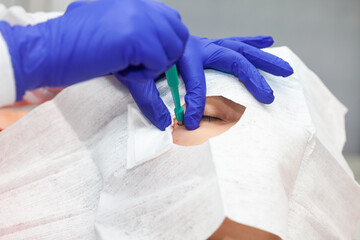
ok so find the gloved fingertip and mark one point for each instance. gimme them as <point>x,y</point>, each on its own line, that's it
<point>264,94</point>
<point>192,121</point>
<point>267,98</point>
<point>268,40</point>
<point>261,41</point>
<point>191,125</point>
<point>195,105</point>
<point>288,70</point>
<point>164,121</point>
<point>159,116</point>
<point>268,95</point>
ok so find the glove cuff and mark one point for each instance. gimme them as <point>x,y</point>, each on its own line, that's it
<point>27,49</point>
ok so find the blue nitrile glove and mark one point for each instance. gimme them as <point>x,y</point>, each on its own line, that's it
<point>240,56</point>
<point>137,39</point>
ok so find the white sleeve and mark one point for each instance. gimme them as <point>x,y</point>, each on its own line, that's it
<point>17,15</point>
<point>7,79</point>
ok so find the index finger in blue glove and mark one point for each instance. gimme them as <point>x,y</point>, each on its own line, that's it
<point>260,59</point>
<point>227,60</point>
<point>192,72</point>
<point>149,102</point>
<point>256,41</point>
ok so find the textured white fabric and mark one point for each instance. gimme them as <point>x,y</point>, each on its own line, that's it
<point>70,175</point>
<point>279,168</point>
<point>17,15</point>
<point>174,196</point>
<point>145,141</point>
<point>7,80</point>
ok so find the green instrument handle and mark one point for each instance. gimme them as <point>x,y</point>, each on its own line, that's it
<point>173,82</point>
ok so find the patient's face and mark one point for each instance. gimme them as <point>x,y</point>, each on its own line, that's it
<point>220,114</point>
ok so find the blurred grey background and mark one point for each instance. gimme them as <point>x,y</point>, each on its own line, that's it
<point>325,34</point>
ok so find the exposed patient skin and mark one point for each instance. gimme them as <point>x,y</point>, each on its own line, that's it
<point>11,114</point>
<point>220,114</point>
<point>230,230</point>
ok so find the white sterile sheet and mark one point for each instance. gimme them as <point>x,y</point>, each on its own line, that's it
<point>74,168</point>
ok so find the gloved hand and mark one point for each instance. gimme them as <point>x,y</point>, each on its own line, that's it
<point>240,56</point>
<point>137,39</point>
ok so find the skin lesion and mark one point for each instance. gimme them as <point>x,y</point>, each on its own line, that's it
<point>220,114</point>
